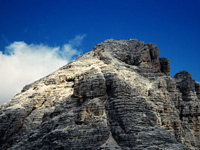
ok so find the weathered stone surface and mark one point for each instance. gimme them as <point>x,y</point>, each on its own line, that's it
<point>117,96</point>
<point>165,67</point>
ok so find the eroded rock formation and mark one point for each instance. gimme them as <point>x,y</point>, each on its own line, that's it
<point>117,96</point>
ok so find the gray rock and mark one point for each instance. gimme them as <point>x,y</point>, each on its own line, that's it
<point>117,96</point>
<point>165,67</point>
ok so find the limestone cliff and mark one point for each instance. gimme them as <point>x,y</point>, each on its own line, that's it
<point>117,96</point>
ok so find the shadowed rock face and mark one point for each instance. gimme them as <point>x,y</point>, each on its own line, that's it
<point>117,96</point>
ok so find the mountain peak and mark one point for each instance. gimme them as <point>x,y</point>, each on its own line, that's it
<point>117,96</point>
<point>132,52</point>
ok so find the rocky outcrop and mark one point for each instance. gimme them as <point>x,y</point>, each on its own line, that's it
<point>117,96</point>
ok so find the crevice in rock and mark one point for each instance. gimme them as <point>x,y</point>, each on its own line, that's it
<point>112,121</point>
<point>181,113</point>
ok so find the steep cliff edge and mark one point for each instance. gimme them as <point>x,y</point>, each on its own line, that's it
<point>117,96</point>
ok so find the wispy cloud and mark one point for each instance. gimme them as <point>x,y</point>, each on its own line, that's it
<point>77,40</point>
<point>24,63</point>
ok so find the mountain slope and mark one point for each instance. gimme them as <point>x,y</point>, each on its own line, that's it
<point>117,96</point>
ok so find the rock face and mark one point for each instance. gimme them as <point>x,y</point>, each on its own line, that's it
<point>117,96</point>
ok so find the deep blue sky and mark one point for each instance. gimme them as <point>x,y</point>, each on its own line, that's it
<point>173,25</point>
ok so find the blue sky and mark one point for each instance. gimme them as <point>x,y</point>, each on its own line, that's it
<point>173,25</point>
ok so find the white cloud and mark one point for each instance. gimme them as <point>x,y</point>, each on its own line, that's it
<point>22,64</point>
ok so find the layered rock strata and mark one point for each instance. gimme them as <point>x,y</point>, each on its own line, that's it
<point>117,96</point>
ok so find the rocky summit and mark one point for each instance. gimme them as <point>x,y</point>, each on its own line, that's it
<point>118,96</point>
